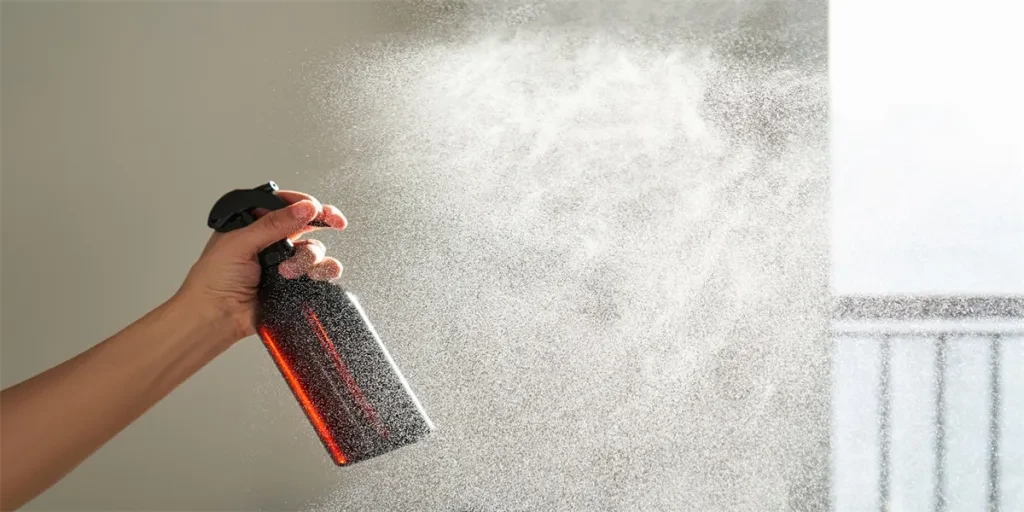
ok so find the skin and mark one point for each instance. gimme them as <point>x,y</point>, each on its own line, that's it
<point>107,387</point>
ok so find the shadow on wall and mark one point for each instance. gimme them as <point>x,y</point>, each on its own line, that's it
<point>595,238</point>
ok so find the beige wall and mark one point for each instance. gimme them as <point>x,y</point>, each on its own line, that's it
<point>122,123</point>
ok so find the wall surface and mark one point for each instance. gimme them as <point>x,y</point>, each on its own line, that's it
<point>592,234</point>
<point>122,124</point>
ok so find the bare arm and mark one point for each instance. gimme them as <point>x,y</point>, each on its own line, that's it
<point>102,390</point>
<point>99,392</point>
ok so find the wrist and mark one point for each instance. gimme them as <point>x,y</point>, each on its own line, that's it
<point>207,325</point>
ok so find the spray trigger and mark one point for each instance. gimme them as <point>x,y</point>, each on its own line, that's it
<point>235,210</point>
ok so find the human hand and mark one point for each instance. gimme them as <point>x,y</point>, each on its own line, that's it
<point>224,279</point>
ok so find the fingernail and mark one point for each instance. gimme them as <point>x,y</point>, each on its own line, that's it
<point>337,219</point>
<point>328,270</point>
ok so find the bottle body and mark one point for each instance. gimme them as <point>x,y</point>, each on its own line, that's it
<point>339,370</point>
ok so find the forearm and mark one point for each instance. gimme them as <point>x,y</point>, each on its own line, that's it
<point>50,423</point>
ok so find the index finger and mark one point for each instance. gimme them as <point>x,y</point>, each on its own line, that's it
<point>293,197</point>
<point>329,216</point>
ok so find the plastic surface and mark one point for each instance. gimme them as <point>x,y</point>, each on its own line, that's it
<point>342,374</point>
<point>326,349</point>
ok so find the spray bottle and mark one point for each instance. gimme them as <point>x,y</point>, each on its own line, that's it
<point>323,344</point>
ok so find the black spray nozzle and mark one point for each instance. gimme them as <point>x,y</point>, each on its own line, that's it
<point>235,210</point>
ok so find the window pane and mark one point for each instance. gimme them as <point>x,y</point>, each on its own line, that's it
<point>1011,445</point>
<point>913,424</point>
<point>967,423</point>
<point>855,432</point>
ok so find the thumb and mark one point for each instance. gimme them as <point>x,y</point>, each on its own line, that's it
<point>277,225</point>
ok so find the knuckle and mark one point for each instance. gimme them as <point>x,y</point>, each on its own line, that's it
<point>275,220</point>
